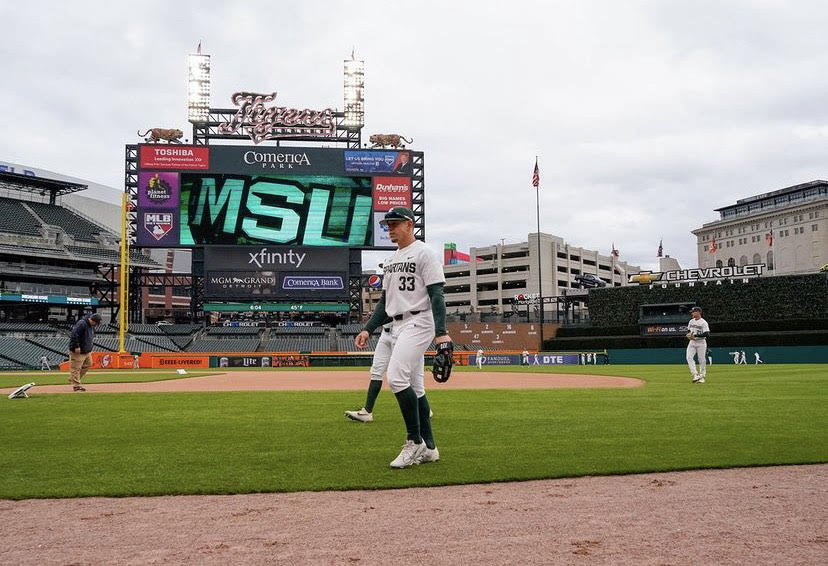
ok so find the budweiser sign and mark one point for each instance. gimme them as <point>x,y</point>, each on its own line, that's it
<point>262,122</point>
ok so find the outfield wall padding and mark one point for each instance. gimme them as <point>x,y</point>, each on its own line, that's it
<point>768,354</point>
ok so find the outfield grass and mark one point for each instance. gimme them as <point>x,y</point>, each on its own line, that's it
<point>176,443</point>
<point>17,379</point>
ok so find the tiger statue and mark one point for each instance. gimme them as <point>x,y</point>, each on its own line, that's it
<point>155,135</point>
<point>381,140</point>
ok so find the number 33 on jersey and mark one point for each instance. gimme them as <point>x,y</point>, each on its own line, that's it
<point>407,274</point>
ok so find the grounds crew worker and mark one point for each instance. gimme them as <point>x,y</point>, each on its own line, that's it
<point>412,295</point>
<point>80,349</point>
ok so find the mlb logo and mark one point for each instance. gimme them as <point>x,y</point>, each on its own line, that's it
<point>158,224</point>
<point>375,281</point>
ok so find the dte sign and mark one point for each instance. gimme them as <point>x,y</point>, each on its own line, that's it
<point>553,360</point>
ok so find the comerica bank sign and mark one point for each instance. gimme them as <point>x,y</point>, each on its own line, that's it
<point>700,276</point>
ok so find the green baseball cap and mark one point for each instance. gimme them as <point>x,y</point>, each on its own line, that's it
<point>397,213</point>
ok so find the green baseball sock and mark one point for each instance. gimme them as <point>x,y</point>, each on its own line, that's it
<point>374,388</point>
<point>425,422</point>
<point>410,412</point>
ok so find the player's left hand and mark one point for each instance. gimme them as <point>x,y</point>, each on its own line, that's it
<point>443,360</point>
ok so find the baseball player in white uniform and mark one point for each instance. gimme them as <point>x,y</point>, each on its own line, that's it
<point>697,332</point>
<point>382,355</point>
<point>413,298</point>
<point>479,358</point>
<point>524,357</point>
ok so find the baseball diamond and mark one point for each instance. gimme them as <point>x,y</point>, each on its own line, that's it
<point>194,349</point>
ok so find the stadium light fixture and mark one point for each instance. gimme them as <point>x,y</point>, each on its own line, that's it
<point>198,100</point>
<point>354,87</point>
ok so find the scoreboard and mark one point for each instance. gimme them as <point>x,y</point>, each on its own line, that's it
<point>192,196</point>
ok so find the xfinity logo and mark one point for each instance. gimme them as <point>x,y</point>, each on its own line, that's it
<point>276,160</point>
<point>264,257</point>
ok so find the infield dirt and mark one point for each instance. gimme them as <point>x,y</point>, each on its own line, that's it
<point>741,516</point>
<point>272,380</point>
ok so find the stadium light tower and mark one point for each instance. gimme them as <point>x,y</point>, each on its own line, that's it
<point>198,100</point>
<point>354,86</point>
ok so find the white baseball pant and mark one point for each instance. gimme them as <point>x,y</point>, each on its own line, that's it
<point>697,348</point>
<point>410,339</point>
<point>382,355</point>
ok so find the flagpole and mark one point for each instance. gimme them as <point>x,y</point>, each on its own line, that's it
<point>540,279</point>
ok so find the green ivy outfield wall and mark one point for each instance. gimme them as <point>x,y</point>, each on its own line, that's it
<point>760,298</point>
<point>723,355</point>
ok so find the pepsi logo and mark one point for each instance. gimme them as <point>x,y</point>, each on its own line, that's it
<point>375,281</point>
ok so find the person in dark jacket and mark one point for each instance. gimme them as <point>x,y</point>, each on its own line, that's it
<point>80,349</point>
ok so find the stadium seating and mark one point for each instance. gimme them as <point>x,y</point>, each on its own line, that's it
<point>73,224</point>
<point>25,327</point>
<point>298,330</point>
<point>296,344</point>
<point>147,343</point>
<point>179,329</point>
<point>27,353</point>
<point>224,345</point>
<point>234,330</point>
<point>16,219</point>
<point>135,328</point>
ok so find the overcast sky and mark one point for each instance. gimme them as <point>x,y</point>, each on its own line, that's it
<point>645,115</point>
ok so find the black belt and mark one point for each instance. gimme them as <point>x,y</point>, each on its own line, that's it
<point>400,316</point>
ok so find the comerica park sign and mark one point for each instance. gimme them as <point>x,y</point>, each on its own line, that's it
<point>699,276</point>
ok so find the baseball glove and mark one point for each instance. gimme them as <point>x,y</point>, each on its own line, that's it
<point>443,360</point>
<point>689,335</point>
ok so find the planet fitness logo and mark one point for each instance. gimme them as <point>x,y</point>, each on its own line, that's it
<point>158,190</point>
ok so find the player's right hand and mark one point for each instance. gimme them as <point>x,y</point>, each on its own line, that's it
<point>361,339</point>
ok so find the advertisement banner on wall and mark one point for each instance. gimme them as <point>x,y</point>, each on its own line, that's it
<point>540,359</point>
<point>303,273</point>
<point>393,162</point>
<point>158,189</point>
<point>381,237</point>
<point>173,157</point>
<point>157,227</point>
<point>390,192</point>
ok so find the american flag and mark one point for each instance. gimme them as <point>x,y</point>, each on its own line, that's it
<point>614,252</point>
<point>660,248</point>
<point>769,238</point>
<point>536,175</point>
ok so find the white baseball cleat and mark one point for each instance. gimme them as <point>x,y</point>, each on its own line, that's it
<point>429,455</point>
<point>430,413</point>
<point>701,380</point>
<point>409,455</point>
<point>697,379</point>
<point>362,415</point>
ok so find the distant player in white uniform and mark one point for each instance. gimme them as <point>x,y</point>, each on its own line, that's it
<point>697,333</point>
<point>44,364</point>
<point>479,359</point>
<point>735,357</point>
<point>758,359</point>
<point>524,357</point>
<point>742,358</point>
<point>413,298</point>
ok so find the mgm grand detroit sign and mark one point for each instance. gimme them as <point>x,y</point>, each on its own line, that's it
<point>701,276</point>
